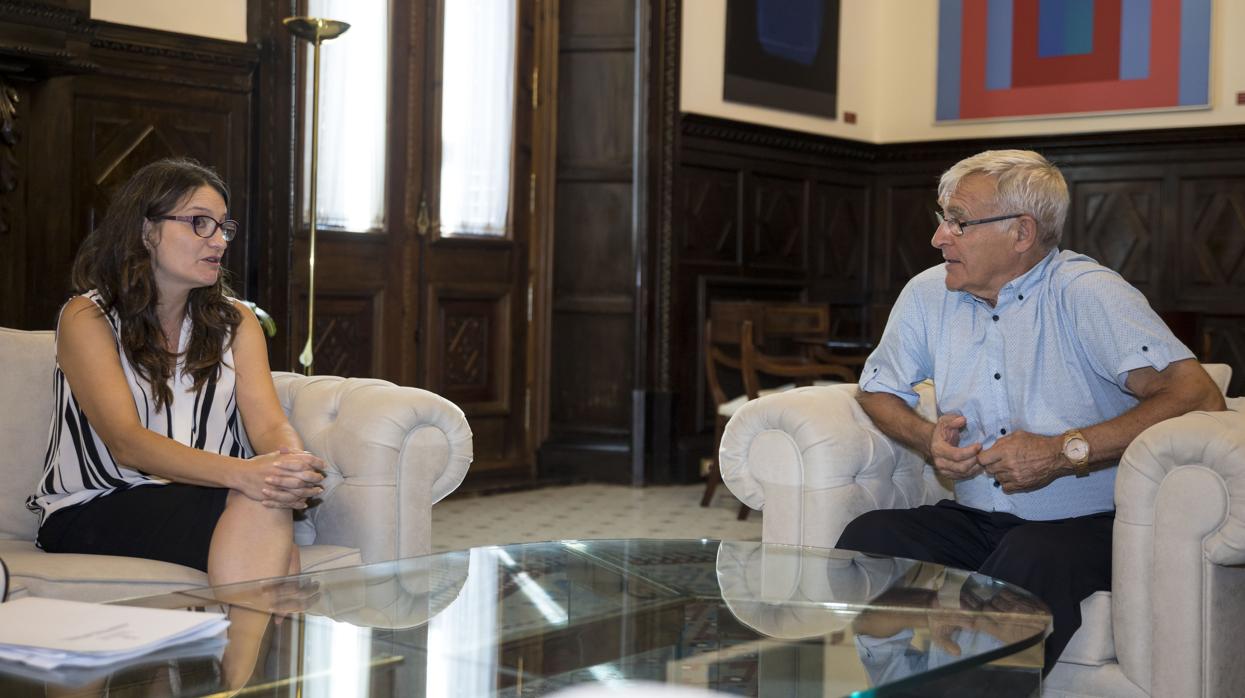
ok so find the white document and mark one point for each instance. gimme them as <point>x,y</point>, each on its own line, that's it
<point>50,633</point>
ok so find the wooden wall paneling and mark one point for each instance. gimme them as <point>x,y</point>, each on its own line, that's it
<point>709,203</point>
<point>839,244</point>
<point>1211,242</point>
<point>594,254</point>
<point>118,127</point>
<point>594,309</point>
<point>1225,339</point>
<point>778,213</point>
<point>591,396</point>
<point>908,228</point>
<point>103,100</point>
<point>1117,219</point>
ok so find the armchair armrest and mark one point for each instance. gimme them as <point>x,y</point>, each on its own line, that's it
<point>813,461</point>
<point>1178,585</point>
<point>391,451</point>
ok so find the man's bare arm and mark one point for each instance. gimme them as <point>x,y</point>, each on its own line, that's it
<point>938,443</point>
<point>898,421</point>
<point>1022,461</point>
<point>1182,387</point>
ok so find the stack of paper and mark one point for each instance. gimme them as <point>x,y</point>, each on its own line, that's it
<point>53,633</point>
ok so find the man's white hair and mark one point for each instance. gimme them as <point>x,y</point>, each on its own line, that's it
<point>1026,183</point>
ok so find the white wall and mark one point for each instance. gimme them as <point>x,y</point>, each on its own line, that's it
<point>219,19</point>
<point>887,75</point>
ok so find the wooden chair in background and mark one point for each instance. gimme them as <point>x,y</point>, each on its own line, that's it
<point>749,340</point>
<point>723,353</point>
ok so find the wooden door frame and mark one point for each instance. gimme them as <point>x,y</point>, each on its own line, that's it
<point>541,209</point>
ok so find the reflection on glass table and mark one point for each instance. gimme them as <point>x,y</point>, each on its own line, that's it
<point>741,618</point>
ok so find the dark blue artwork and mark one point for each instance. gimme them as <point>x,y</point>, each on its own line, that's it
<point>790,29</point>
<point>783,54</point>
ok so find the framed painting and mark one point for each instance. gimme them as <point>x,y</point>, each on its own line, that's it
<point>783,54</point>
<point>1024,58</point>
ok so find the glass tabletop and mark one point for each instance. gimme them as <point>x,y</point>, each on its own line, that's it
<point>741,618</point>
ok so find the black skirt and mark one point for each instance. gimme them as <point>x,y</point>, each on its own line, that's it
<point>171,523</point>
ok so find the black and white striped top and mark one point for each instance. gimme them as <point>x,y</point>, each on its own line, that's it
<point>78,466</point>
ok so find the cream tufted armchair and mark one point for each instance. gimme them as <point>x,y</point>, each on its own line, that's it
<point>1171,626</point>
<point>392,452</point>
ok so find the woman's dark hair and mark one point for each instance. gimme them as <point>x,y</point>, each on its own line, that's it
<point>115,261</point>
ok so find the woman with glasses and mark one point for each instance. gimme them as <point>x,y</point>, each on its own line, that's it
<point>164,396</point>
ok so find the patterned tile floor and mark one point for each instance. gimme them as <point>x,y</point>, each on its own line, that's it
<point>588,511</point>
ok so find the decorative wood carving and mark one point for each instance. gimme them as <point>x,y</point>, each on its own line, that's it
<point>839,237</point>
<point>1118,223</point>
<point>709,207</point>
<point>667,108</point>
<point>910,227</point>
<point>348,335</point>
<point>467,348</point>
<point>469,352</point>
<point>1211,249</point>
<point>778,223</point>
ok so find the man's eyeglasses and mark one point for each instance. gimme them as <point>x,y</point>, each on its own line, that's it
<point>205,226</point>
<point>957,226</point>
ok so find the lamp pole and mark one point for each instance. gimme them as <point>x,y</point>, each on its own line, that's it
<point>315,30</point>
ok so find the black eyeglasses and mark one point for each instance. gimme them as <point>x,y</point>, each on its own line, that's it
<point>205,226</point>
<point>957,226</point>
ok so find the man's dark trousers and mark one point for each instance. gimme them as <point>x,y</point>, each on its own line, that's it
<point>1061,562</point>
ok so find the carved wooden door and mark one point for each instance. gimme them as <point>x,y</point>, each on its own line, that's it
<point>474,282</point>
<point>422,303</point>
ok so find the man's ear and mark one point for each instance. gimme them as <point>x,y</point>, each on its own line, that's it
<point>1026,233</point>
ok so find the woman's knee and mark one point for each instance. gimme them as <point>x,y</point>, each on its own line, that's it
<point>240,505</point>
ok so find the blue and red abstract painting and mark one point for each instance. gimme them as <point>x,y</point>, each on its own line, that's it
<point>1012,58</point>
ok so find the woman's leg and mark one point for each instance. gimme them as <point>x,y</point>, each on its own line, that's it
<point>251,541</point>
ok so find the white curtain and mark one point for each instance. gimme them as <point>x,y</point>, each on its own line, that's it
<point>341,654</point>
<point>477,116</point>
<point>354,100</point>
<point>462,638</point>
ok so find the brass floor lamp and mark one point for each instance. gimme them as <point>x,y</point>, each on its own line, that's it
<point>315,30</point>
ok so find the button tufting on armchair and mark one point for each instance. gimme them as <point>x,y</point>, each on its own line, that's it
<point>812,461</point>
<point>392,452</point>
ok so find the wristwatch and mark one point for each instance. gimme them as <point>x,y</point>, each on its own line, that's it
<point>1076,450</point>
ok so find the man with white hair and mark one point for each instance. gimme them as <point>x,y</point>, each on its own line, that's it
<point>1045,366</point>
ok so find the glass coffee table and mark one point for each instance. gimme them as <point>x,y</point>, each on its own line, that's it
<point>742,618</point>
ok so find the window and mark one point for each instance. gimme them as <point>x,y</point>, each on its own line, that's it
<point>354,99</point>
<point>477,116</point>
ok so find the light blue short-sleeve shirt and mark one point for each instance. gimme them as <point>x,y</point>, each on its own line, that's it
<point>1053,354</point>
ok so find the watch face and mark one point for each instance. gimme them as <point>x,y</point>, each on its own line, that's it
<point>1076,450</point>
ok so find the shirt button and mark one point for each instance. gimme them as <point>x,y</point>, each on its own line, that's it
<point>997,376</point>
<point>1003,432</point>
<point>996,318</point>
<point>1020,296</point>
<point>1145,348</point>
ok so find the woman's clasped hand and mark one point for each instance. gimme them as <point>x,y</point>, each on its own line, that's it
<point>285,479</point>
